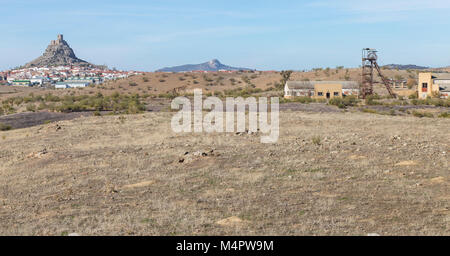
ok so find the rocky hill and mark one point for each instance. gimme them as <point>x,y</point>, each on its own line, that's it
<point>405,67</point>
<point>58,53</point>
<point>213,65</point>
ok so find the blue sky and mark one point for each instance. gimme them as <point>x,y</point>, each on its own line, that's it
<point>266,35</point>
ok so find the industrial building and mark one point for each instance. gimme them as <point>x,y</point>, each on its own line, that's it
<point>321,89</point>
<point>21,83</point>
<point>434,85</point>
<point>77,82</point>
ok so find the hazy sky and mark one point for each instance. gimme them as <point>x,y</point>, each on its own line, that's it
<point>267,35</point>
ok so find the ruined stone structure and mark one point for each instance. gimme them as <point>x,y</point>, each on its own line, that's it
<point>58,53</point>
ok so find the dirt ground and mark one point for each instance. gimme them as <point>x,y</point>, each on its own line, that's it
<point>331,173</point>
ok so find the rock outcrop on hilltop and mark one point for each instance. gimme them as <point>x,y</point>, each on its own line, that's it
<point>58,53</point>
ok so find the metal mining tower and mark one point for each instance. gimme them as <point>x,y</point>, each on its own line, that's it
<point>369,63</point>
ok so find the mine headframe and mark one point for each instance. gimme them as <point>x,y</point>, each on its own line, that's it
<point>369,65</point>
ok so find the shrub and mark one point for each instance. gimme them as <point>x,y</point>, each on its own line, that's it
<point>368,110</point>
<point>5,127</point>
<point>31,107</point>
<point>444,115</point>
<point>344,102</point>
<point>370,100</point>
<point>132,84</point>
<point>422,114</point>
<point>316,140</point>
<point>170,95</point>
<point>42,106</point>
<point>413,96</point>
<point>304,100</point>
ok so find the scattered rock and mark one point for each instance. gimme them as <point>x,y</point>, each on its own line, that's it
<point>231,221</point>
<point>407,163</point>
<point>357,157</point>
<point>437,180</point>
<point>39,154</point>
<point>140,184</point>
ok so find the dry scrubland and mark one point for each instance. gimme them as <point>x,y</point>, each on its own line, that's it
<point>135,93</point>
<point>330,174</point>
<point>162,83</point>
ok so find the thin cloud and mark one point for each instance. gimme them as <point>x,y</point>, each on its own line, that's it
<point>383,5</point>
<point>211,32</point>
<point>382,11</point>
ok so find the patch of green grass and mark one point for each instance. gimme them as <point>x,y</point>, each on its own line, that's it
<point>147,221</point>
<point>314,170</point>
<point>290,171</point>
<point>303,100</point>
<point>368,110</point>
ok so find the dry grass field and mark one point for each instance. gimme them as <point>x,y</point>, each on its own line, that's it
<point>339,173</point>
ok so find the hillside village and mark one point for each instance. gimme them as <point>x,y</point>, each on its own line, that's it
<point>48,76</point>
<point>59,67</point>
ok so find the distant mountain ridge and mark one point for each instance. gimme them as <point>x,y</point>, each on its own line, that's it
<point>213,65</point>
<point>404,67</point>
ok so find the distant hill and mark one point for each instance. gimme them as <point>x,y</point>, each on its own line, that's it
<point>58,53</point>
<point>213,65</point>
<point>404,67</point>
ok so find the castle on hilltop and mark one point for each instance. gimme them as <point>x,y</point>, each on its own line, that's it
<point>58,53</point>
<point>57,41</point>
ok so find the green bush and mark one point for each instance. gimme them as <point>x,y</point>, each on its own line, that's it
<point>371,100</point>
<point>344,102</point>
<point>4,127</point>
<point>444,115</point>
<point>368,110</point>
<point>304,100</point>
<point>317,140</point>
<point>241,92</point>
<point>31,107</point>
<point>413,96</point>
<point>422,114</point>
